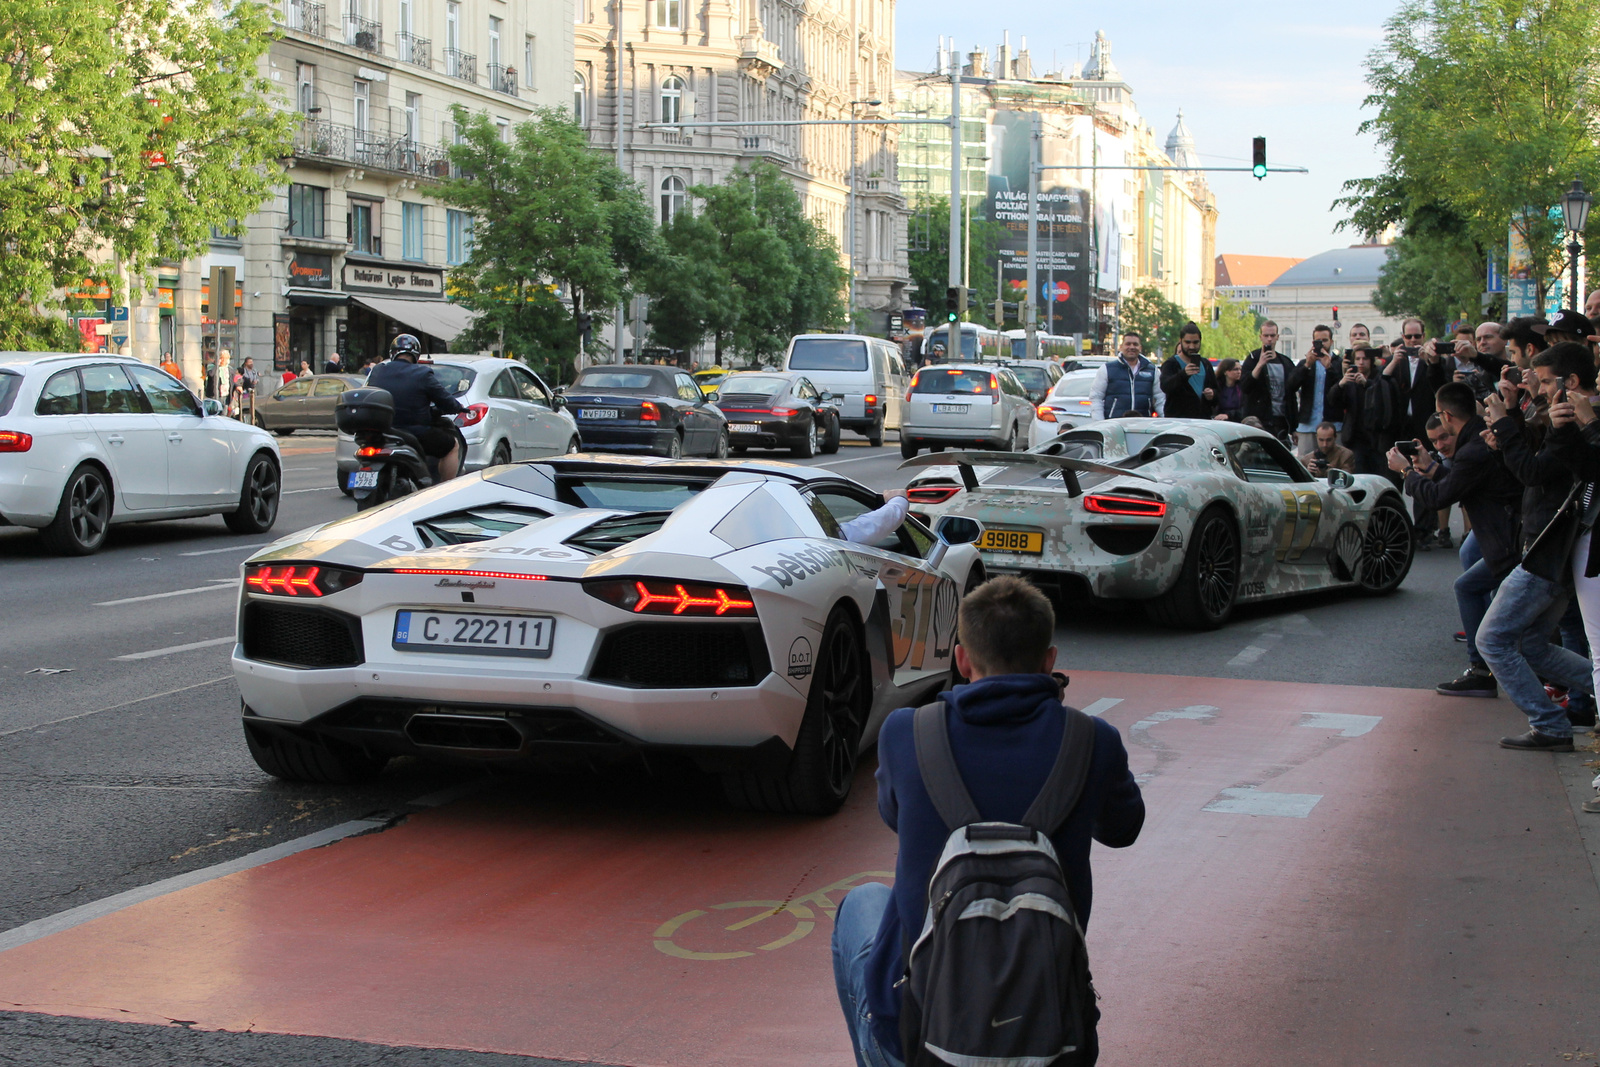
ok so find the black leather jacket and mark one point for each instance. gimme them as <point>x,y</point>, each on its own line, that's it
<point>416,391</point>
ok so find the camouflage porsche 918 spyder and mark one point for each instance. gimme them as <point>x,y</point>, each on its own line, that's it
<point>1190,517</point>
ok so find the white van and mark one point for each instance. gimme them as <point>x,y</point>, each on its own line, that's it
<point>866,374</point>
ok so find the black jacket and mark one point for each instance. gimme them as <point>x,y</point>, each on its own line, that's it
<point>1579,449</point>
<point>1182,401</point>
<point>1547,483</point>
<point>1258,391</point>
<point>1304,399</point>
<point>416,390</point>
<point>1366,411</point>
<point>1486,491</point>
<point>1418,393</point>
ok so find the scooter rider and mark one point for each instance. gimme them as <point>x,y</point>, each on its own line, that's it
<point>417,391</point>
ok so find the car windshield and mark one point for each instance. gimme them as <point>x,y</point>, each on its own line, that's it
<point>625,381</point>
<point>947,380</point>
<point>827,353</point>
<point>1032,377</point>
<point>456,380</point>
<point>10,384</point>
<point>753,385</point>
<point>628,494</point>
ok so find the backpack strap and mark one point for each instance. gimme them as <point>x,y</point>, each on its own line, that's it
<point>1065,784</point>
<point>940,775</point>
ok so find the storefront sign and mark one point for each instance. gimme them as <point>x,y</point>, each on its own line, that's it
<point>280,342</point>
<point>342,338</point>
<point>404,281</point>
<point>307,270</point>
<point>166,298</point>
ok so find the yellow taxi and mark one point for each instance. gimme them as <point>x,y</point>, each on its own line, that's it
<point>710,379</point>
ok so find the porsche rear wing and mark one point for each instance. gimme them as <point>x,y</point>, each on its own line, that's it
<point>1070,468</point>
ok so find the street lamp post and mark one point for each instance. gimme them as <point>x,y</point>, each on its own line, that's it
<point>850,208</point>
<point>1575,215</point>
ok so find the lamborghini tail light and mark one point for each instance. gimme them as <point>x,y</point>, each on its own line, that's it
<point>931,494</point>
<point>298,579</point>
<point>662,596</point>
<point>1110,504</point>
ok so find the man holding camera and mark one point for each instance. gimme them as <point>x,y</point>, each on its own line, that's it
<point>1188,379</point>
<point>1269,386</point>
<point>1488,494</point>
<point>1362,401</point>
<point>1316,375</point>
<point>1328,454</point>
<point>1417,373</point>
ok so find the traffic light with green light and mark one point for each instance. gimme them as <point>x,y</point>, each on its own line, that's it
<point>955,303</point>
<point>1258,162</point>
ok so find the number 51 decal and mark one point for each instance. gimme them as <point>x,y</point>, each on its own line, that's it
<point>1302,510</point>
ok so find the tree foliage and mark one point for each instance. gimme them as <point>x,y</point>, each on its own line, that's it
<point>127,129</point>
<point>1157,319</point>
<point>551,216</point>
<point>1486,111</point>
<point>746,269</point>
<point>1234,333</point>
<point>930,266</point>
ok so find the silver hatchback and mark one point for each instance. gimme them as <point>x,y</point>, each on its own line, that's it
<point>965,404</point>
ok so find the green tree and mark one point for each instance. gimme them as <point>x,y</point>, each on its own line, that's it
<point>1157,319</point>
<point>550,216</point>
<point>1234,334</point>
<point>127,129</point>
<point>1485,109</point>
<point>930,266</point>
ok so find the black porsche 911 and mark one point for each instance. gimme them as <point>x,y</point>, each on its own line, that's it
<point>658,411</point>
<point>770,410</point>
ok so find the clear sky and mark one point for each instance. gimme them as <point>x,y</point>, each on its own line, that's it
<point>1292,73</point>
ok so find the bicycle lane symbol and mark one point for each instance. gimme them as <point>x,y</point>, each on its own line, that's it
<point>802,910</point>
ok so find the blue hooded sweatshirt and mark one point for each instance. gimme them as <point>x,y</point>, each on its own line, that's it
<point>1005,732</point>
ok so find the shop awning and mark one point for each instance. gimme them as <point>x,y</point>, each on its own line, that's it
<point>436,318</point>
<point>322,298</point>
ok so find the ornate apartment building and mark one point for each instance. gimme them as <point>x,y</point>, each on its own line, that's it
<point>640,64</point>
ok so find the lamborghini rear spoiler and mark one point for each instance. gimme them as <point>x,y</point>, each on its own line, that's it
<point>1069,468</point>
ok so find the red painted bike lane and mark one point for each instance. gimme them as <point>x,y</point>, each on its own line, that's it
<point>1328,875</point>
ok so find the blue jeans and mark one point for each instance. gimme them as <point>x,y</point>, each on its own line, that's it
<point>1468,553</point>
<point>1474,592</point>
<point>854,928</point>
<point>1514,638</point>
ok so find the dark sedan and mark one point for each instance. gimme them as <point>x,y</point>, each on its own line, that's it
<point>659,411</point>
<point>304,404</point>
<point>778,411</point>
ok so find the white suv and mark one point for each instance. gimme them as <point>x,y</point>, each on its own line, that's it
<point>89,441</point>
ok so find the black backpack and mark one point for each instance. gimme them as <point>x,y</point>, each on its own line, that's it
<point>999,975</point>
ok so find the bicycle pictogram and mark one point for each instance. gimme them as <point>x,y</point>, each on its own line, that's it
<point>717,945</point>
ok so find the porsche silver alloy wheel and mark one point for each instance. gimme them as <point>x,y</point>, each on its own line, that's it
<point>1386,549</point>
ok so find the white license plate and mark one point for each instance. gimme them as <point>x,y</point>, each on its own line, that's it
<point>597,413</point>
<point>363,480</point>
<point>950,409</point>
<point>483,635</point>
<point>743,427</point>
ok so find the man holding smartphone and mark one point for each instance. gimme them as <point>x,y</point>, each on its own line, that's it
<point>1269,386</point>
<point>1188,379</point>
<point>1317,375</point>
<point>1417,373</point>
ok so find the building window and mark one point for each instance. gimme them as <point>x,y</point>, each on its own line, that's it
<point>668,14</point>
<point>411,231</point>
<point>305,93</point>
<point>363,109</point>
<point>494,41</point>
<point>306,211</point>
<point>528,50</point>
<point>673,198</point>
<point>413,117</point>
<point>672,100</point>
<point>579,88</point>
<point>364,228</point>
<point>503,128</point>
<point>452,26</point>
<point>457,237</point>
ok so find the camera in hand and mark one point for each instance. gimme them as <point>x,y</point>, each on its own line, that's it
<point>1407,449</point>
<point>1514,375</point>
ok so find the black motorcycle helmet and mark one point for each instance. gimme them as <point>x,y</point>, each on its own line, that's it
<point>405,345</point>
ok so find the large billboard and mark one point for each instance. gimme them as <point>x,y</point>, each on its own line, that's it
<point>1065,259</point>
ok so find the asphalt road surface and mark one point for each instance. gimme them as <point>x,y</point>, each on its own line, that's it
<point>1340,866</point>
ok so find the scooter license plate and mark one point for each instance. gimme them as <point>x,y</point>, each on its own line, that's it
<point>363,479</point>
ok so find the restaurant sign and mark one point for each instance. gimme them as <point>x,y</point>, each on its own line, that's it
<point>308,270</point>
<point>401,281</point>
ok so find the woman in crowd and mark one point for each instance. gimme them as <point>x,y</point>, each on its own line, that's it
<point>1230,397</point>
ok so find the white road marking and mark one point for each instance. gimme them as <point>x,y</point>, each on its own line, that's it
<point>1193,711</point>
<point>287,470</point>
<point>212,588</point>
<point>1347,725</point>
<point>172,788</point>
<point>230,548</point>
<point>318,489</point>
<point>114,707</point>
<point>1101,706</point>
<point>66,920</point>
<point>1289,624</point>
<point>1254,651</point>
<point>154,652</point>
<point>1247,800</point>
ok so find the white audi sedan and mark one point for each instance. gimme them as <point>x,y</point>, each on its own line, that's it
<point>91,441</point>
<point>511,415</point>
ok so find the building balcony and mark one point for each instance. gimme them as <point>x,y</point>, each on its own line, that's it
<point>332,142</point>
<point>365,34</point>
<point>459,64</point>
<point>763,146</point>
<point>502,79</point>
<point>303,15</point>
<point>409,48</point>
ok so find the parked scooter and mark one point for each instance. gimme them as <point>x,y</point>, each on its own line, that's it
<point>392,462</point>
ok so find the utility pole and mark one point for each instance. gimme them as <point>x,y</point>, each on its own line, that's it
<point>1029,316</point>
<point>955,168</point>
<point>616,321</point>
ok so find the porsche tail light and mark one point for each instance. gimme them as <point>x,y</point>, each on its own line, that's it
<point>931,494</point>
<point>1046,413</point>
<point>1110,504</point>
<point>15,441</point>
<point>783,412</point>
<point>474,414</point>
<point>648,412</point>
<point>369,451</point>
<point>298,579</point>
<point>661,596</point>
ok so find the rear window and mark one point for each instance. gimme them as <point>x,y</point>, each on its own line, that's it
<point>624,494</point>
<point>10,384</point>
<point>456,380</point>
<point>753,385</point>
<point>1032,377</point>
<point>828,353</point>
<point>1073,387</point>
<point>631,381</point>
<point>944,380</point>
